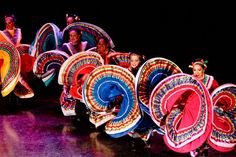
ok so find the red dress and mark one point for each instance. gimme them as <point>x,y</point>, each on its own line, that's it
<point>210,82</point>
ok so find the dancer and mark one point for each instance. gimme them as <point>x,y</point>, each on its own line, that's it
<point>199,67</point>
<point>136,60</point>
<point>12,34</point>
<point>75,43</point>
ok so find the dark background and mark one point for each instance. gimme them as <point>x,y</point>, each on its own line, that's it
<point>178,32</point>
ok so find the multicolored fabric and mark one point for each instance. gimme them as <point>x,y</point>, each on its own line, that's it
<point>104,56</point>
<point>15,39</point>
<point>47,38</point>
<point>27,61</point>
<point>110,89</point>
<point>75,67</point>
<point>119,58</point>
<point>207,81</point>
<point>23,48</point>
<point>182,105</point>
<point>10,67</point>
<point>223,135</point>
<point>146,128</point>
<point>47,65</point>
<point>149,75</point>
<point>70,49</point>
<point>90,33</point>
<point>67,102</point>
<point>99,118</point>
<point>23,90</point>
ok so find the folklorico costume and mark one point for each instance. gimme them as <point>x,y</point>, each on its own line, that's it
<point>47,38</point>
<point>70,49</point>
<point>105,56</point>
<point>118,58</point>
<point>207,80</point>
<point>13,37</point>
<point>90,33</point>
<point>114,57</point>
<point>223,135</point>
<point>211,84</point>
<point>10,67</point>
<point>182,105</point>
<point>71,76</point>
<point>109,92</point>
<point>9,36</point>
<point>148,76</point>
<point>47,65</point>
<point>27,61</point>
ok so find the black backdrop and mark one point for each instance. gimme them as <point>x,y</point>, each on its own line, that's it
<point>179,32</point>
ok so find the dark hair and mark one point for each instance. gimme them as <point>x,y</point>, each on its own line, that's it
<point>201,62</point>
<point>10,15</point>
<point>141,56</point>
<point>106,40</point>
<point>75,29</point>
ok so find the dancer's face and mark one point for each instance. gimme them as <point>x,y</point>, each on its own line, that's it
<point>198,71</point>
<point>9,23</point>
<point>74,37</point>
<point>134,61</point>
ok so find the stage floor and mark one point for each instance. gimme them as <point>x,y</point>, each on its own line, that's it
<point>37,128</point>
